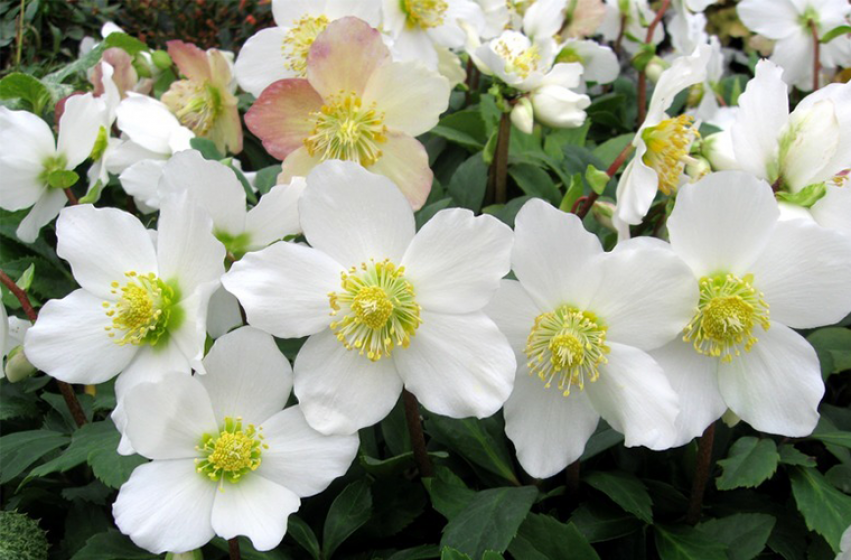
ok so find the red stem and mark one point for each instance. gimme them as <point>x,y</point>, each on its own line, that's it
<point>71,198</point>
<point>816,55</point>
<point>701,475</point>
<point>582,211</point>
<point>415,429</point>
<point>233,549</point>
<point>642,77</point>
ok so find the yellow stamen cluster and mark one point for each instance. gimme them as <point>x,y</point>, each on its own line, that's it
<point>143,310</point>
<point>424,14</point>
<point>197,105</point>
<point>344,129</point>
<point>729,309</point>
<point>298,41</point>
<point>232,453</point>
<point>378,307</point>
<point>567,344</point>
<point>668,145</point>
<point>521,63</point>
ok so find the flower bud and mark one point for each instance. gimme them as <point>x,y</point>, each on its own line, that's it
<point>18,367</point>
<point>655,68</point>
<point>603,212</point>
<point>558,107</point>
<point>161,59</point>
<point>191,555</point>
<point>718,150</point>
<point>523,116</point>
<point>697,167</point>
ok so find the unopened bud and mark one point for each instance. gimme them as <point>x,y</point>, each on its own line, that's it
<point>603,212</point>
<point>18,367</point>
<point>161,59</point>
<point>523,116</point>
<point>697,168</point>
<point>191,555</point>
<point>655,68</point>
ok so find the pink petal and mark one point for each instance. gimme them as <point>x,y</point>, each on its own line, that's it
<point>405,162</point>
<point>220,69</point>
<point>281,115</point>
<point>190,60</point>
<point>344,56</point>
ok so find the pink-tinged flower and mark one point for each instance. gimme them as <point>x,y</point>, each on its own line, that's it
<point>204,102</point>
<point>357,105</point>
<point>124,74</point>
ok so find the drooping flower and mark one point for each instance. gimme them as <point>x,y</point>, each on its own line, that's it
<point>662,144</point>
<point>630,19</point>
<point>280,52</point>
<point>124,75</point>
<point>204,101</point>
<point>758,277</point>
<point>357,105</point>
<point>581,322</point>
<point>35,167</point>
<point>790,23</point>
<point>384,308</point>
<point>227,458</point>
<point>582,18</point>
<point>142,307</point>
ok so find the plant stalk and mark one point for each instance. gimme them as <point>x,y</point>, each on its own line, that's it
<point>701,475</point>
<point>233,549</point>
<point>642,77</point>
<point>582,207</point>
<point>816,56</point>
<point>499,168</point>
<point>415,429</point>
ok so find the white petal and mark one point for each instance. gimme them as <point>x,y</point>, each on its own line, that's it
<point>514,313</point>
<point>354,215</point>
<point>544,18</point>
<point>147,122</point>
<point>288,12</point>
<point>795,55</point>
<point>210,185</point>
<point>23,184</point>
<point>79,127</point>
<point>187,251</point>
<point>299,457</point>
<point>414,45</point>
<point>284,288</point>
<point>723,222</point>
<point>42,213</point>
<point>167,419</point>
<point>636,189</point>
<point>262,61</point>
<point>684,72</point>
<point>694,378</point>
<point>102,245</point>
<point>223,313</point>
<point>548,429</point>
<point>635,398</point>
<point>646,297</point>
<point>804,272</point>
<point>24,135</point>
<point>458,365</point>
<point>247,376</point>
<point>166,507</point>
<point>774,19</point>
<point>777,386</point>
<point>255,507</point>
<point>276,215</point>
<point>456,260</point>
<point>813,145</point>
<point>140,181</point>
<point>340,391</point>
<point>554,256</point>
<point>833,210</point>
<point>69,341</point>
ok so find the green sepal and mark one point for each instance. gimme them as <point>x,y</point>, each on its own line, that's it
<point>574,192</point>
<point>62,178</point>
<point>835,32</point>
<point>94,193</point>
<point>26,279</point>
<point>806,197</point>
<point>642,58</point>
<point>161,59</point>
<point>596,179</point>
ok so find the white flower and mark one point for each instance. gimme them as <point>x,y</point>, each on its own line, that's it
<point>523,115</point>
<point>638,16</point>
<point>686,29</point>
<point>105,145</point>
<point>383,307</point>
<point>35,167</point>
<point>758,277</point>
<point>516,60</point>
<point>661,144</point>
<point>788,22</point>
<point>228,459</point>
<point>580,322</point>
<point>497,16</point>
<point>141,310</point>
<point>559,107</point>
<point>599,63</point>
<point>276,53</point>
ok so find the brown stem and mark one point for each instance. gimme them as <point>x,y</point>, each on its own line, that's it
<point>71,198</point>
<point>621,33</point>
<point>701,475</point>
<point>66,389</point>
<point>415,429</point>
<point>499,168</point>
<point>582,211</point>
<point>642,77</point>
<point>816,55</point>
<point>571,476</point>
<point>233,549</point>
<point>468,95</point>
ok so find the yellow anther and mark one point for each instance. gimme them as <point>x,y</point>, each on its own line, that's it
<point>668,145</point>
<point>298,41</point>
<point>344,129</point>
<point>424,14</point>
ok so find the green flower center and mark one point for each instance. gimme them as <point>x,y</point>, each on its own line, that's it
<point>567,345</point>
<point>232,453</point>
<point>298,41</point>
<point>145,310</point>
<point>424,14</point>
<point>378,308</point>
<point>729,309</point>
<point>668,145</point>
<point>344,129</point>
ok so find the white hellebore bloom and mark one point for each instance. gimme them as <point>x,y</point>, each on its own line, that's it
<point>790,23</point>
<point>35,167</point>
<point>758,277</point>
<point>662,144</point>
<point>141,309</point>
<point>227,458</point>
<point>599,63</point>
<point>803,153</point>
<point>637,16</point>
<point>384,308</point>
<point>276,53</point>
<point>581,322</point>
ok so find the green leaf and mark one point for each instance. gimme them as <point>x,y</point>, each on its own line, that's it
<point>469,182</point>
<point>26,279</point>
<point>745,534</point>
<point>111,545</point>
<point>393,465</point>
<point>836,343</point>
<point>840,477</point>
<point>267,178</point>
<point>789,455</point>
<point>603,438</point>
<point>686,543</point>
<point>422,552</point>
<point>574,193</point>
<point>303,535</point>
<point>556,140</point>
<point>600,522</point>
<point>26,88</point>
<point>536,182</point>
<point>396,504</point>
<point>121,40</point>
<point>451,554</point>
<point>19,450</point>
<point>207,148</point>
<point>597,179</point>
<point>465,128</point>
<point>479,441</point>
<point>842,439</point>
<point>490,522</point>
<point>349,511</point>
<point>449,495</point>
<point>608,151</point>
<point>751,462</point>
<point>624,489</point>
<point>542,536</point>
<point>826,510</point>
<point>836,32</point>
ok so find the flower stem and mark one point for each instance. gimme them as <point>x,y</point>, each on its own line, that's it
<point>499,167</point>
<point>67,391</point>
<point>415,429</point>
<point>642,77</point>
<point>582,207</point>
<point>71,198</point>
<point>233,549</point>
<point>701,474</point>
<point>621,33</point>
<point>816,55</point>
<point>20,35</point>
<point>571,476</point>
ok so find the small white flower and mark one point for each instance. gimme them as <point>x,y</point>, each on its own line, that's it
<point>580,322</point>
<point>383,307</point>
<point>228,460</point>
<point>637,15</point>
<point>758,277</point>
<point>599,63</point>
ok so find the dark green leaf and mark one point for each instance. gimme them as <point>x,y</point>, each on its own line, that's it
<point>542,536</point>
<point>825,509</point>
<point>479,441</point>
<point>111,545</point>
<point>840,476</point>
<point>451,554</point>
<point>789,455</point>
<point>842,439</point>
<point>836,342</point>
<point>600,522</point>
<point>303,535</point>
<point>207,148</point>
<point>608,151</point>
<point>603,438</point>
<point>449,495</point>
<point>266,178</point>
<point>686,543</point>
<point>465,128</point>
<point>468,183</point>
<point>625,490</point>
<point>745,534</point>
<point>751,462</point>
<point>19,450</point>
<point>423,552</point>
<point>535,182</point>
<point>26,88</point>
<point>349,511</point>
